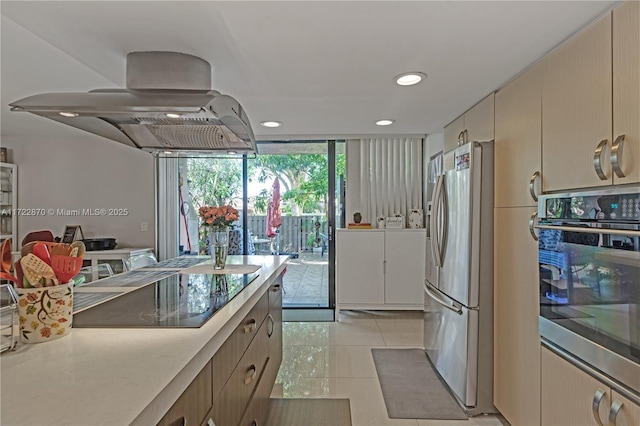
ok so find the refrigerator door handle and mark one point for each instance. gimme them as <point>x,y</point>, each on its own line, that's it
<point>435,230</point>
<point>445,222</point>
<point>440,301</point>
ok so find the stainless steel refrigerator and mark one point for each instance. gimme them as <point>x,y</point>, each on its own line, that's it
<point>458,318</point>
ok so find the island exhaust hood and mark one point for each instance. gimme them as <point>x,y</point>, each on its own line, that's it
<point>168,107</point>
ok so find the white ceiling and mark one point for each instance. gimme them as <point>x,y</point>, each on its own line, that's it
<point>324,69</point>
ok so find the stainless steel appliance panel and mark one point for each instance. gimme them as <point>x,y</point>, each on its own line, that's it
<point>451,342</point>
<point>455,201</point>
<point>589,259</point>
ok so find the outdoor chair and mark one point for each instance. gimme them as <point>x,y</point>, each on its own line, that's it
<point>236,243</point>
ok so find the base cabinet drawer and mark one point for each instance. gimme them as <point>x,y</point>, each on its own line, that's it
<point>274,331</point>
<point>258,408</point>
<point>193,405</point>
<point>226,359</point>
<point>572,397</point>
<point>232,402</point>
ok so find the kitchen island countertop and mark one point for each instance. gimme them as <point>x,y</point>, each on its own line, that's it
<point>111,376</point>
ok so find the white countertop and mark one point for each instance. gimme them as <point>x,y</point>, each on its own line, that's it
<point>119,376</point>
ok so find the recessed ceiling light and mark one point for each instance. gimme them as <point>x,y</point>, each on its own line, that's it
<point>232,152</point>
<point>410,78</point>
<point>172,115</point>
<point>68,114</point>
<point>168,152</point>
<point>384,122</point>
<point>271,124</point>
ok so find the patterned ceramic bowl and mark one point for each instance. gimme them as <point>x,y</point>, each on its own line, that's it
<point>46,313</point>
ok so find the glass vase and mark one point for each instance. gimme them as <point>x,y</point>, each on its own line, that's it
<point>219,245</point>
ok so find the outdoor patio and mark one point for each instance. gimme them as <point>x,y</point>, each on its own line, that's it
<point>306,282</point>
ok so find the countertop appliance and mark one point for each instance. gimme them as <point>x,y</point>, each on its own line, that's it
<point>167,106</point>
<point>179,300</point>
<point>589,259</point>
<point>458,318</point>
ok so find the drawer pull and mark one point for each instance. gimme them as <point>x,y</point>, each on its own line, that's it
<point>595,406</point>
<point>271,325</point>
<point>254,423</point>
<point>275,288</point>
<point>210,422</point>
<point>249,327</point>
<point>251,374</point>
<point>613,412</point>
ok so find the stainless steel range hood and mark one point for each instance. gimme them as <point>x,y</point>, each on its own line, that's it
<point>167,107</point>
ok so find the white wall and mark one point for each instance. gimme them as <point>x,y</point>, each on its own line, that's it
<point>60,167</point>
<point>434,143</point>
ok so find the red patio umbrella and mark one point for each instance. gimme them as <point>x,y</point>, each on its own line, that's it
<point>274,213</point>
<point>274,218</point>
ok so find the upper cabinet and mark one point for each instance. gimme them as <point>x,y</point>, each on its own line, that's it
<point>454,134</point>
<point>474,125</point>
<point>518,136</point>
<point>479,121</point>
<point>626,90</point>
<point>576,110</point>
<point>590,112</point>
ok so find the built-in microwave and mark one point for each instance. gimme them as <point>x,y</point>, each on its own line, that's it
<point>589,261</point>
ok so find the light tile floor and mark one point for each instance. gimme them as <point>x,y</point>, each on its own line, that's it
<point>333,360</point>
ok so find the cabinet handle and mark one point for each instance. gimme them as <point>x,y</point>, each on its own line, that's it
<point>272,323</point>
<point>254,423</point>
<point>597,159</point>
<point>595,406</point>
<point>532,221</point>
<point>616,156</point>
<point>613,412</point>
<point>251,374</point>
<point>532,186</point>
<point>461,138</point>
<point>249,327</point>
<point>210,422</point>
<point>275,288</point>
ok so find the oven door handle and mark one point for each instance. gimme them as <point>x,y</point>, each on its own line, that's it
<point>609,231</point>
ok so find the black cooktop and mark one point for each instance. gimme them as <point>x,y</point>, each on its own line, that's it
<point>181,300</point>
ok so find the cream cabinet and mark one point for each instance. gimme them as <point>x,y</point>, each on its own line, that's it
<point>359,267</point>
<point>623,412</point>
<point>626,89</point>
<point>518,141</point>
<point>477,124</point>
<point>516,339</point>
<point>572,397</point>
<point>454,134</point>
<point>590,105</point>
<point>380,269</point>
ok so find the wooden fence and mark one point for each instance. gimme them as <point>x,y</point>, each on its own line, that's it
<point>294,232</point>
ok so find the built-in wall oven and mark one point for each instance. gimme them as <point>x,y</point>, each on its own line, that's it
<point>589,259</point>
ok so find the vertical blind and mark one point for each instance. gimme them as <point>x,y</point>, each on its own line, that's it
<point>384,177</point>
